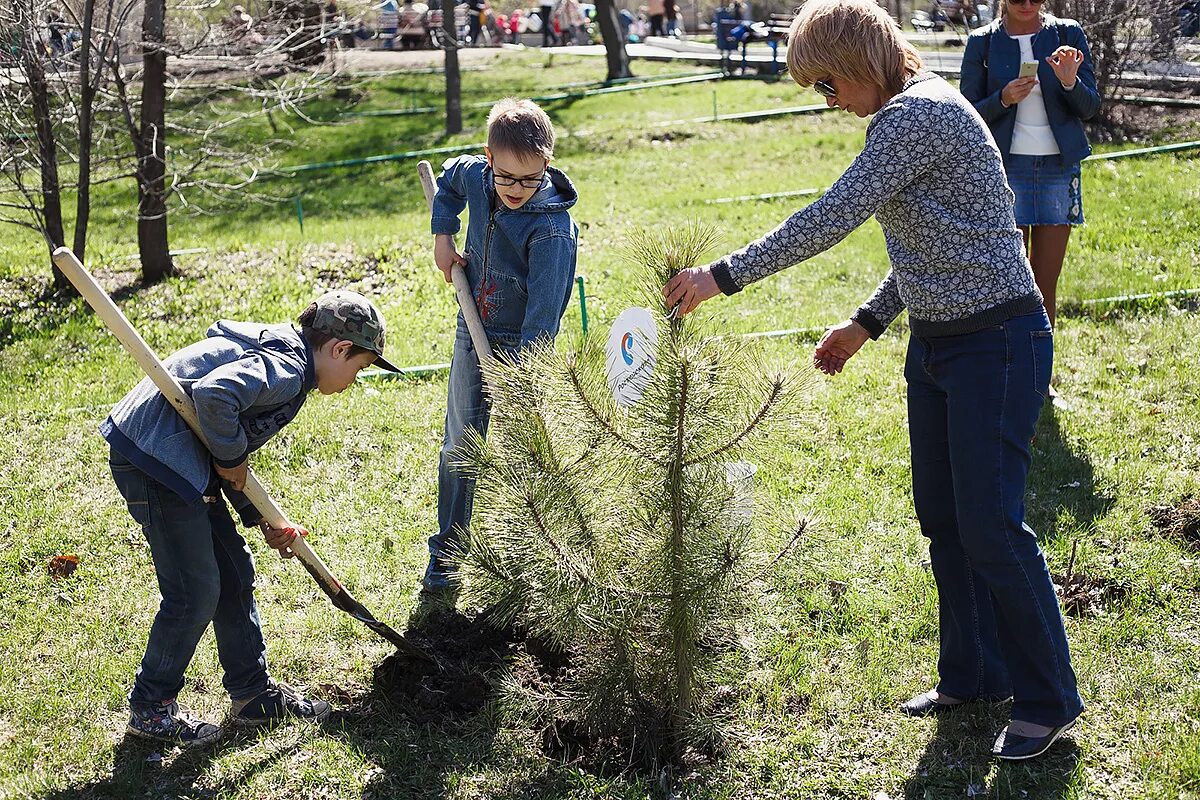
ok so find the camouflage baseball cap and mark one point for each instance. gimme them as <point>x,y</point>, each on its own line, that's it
<point>349,315</point>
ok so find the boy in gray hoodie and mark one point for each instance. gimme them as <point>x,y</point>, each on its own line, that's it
<point>247,381</point>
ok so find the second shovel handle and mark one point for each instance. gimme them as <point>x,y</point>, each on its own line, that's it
<point>458,276</point>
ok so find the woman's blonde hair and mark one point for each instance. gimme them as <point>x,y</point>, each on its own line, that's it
<point>853,40</point>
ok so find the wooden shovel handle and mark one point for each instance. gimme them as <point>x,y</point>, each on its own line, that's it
<point>108,312</point>
<point>462,288</point>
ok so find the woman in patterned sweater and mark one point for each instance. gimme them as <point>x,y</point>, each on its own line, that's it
<point>979,357</point>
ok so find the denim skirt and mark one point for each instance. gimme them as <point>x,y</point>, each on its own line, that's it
<point>1047,190</point>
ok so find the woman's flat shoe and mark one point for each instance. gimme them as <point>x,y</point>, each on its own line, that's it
<point>923,705</point>
<point>1014,747</point>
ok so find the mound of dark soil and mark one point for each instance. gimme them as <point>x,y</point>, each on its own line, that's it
<point>471,653</point>
<point>1181,522</point>
<point>467,651</point>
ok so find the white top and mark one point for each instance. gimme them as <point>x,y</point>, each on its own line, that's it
<point>1031,134</point>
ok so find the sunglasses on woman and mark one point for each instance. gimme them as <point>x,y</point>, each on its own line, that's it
<point>825,88</point>
<point>1023,2</point>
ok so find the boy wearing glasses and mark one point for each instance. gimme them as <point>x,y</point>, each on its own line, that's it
<point>520,262</point>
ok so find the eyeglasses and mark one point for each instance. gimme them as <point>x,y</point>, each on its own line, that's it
<point>526,183</point>
<point>1023,2</point>
<point>825,88</point>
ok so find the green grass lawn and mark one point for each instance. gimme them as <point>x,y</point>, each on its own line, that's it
<point>845,629</point>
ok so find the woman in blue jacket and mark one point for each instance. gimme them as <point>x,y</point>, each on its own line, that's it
<point>1037,122</point>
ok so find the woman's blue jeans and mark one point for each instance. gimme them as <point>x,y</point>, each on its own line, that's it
<point>205,574</point>
<point>973,403</point>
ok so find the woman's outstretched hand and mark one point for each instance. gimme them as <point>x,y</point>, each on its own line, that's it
<point>837,346</point>
<point>1066,61</point>
<point>689,288</point>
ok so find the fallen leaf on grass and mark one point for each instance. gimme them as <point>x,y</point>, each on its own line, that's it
<point>61,566</point>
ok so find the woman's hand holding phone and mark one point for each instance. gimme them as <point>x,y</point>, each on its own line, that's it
<point>1017,90</point>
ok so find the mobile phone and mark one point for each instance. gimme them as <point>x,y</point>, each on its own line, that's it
<point>1028,69</point>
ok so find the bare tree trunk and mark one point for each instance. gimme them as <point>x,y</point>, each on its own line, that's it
<point>152,162</point>
<point>87,97</point>
<point>51,210</point>
<point>453,77</point>
<point>614,43</point>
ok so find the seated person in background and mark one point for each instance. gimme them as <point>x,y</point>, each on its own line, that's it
<point>388,20</point>
<point>414,25</point>
<point>239,27</point>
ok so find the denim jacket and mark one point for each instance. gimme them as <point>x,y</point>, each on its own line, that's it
<point>993,58</point>
<point>520,262</point>
<point>246,380</point>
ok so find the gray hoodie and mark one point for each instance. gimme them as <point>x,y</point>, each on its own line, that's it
<point>247,380</point>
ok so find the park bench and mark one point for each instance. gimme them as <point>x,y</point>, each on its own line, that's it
<point>733,33</point>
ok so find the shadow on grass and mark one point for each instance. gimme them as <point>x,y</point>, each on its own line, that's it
<point>140,770</point>
<point>411,759</point>
<point>1061,480</point>
<point>419,724</point>
<point>957,762</point>
<point>31,307</point>
<point>429,731</point>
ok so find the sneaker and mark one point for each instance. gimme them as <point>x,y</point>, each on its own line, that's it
<point>165,722</point>
<point>274,704</point>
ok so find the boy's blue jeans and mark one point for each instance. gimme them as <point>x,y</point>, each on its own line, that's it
<point>205,574</point>
<point>973,403</point>
<point>466,408</point>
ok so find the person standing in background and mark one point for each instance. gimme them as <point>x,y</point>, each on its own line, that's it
<point>1038,124</point>
<point>671,16</point>
<point>546,12</point>
<point>656,9</point>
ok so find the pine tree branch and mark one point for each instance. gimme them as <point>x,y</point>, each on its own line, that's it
<point>676,614</point>
<point>602,420</point>
<point>787,548</point>
<point>538,520</point>
<point>763,412</point>
<point>625,658</point>
<point>549,463</point>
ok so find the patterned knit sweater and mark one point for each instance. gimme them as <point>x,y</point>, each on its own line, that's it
<point>931,173</point>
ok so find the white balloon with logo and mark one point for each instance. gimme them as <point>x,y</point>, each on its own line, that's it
<point>632,345</point>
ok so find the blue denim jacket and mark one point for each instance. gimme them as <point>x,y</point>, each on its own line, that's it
<point>520,262</point>
<point>993,58</point>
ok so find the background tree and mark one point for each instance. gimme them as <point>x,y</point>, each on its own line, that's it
<point>150,146</point>
<point>75,117</point>
<point>1122,35</point>
<point>614,42</point>
<point>615,533</point>
<point>29,131</point>
<point>449,43</point>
